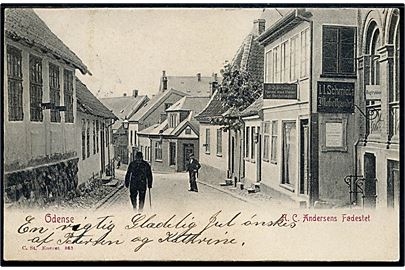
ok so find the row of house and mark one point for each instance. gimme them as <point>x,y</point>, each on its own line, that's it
<point>57,134</point>
<point>163,128</point>
<point>326,129</point>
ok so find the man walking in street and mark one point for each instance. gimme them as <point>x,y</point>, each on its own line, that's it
<point>138,179</point>
<point>192,167</point>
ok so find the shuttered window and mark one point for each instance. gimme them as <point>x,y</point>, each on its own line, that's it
<point>338,50</point>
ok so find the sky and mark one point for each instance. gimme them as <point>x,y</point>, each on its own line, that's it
<point>127,49</point>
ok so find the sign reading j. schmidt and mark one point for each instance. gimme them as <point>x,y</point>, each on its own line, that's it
<point>335,97</point>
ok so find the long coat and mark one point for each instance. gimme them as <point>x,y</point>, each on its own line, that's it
<point>139,175</point>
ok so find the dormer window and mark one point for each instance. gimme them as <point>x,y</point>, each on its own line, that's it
<point>172,120</point>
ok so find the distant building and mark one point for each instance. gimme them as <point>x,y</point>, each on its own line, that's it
<point>171,90</point>
<point>40,113</point>
<point>167,145</point>
<point>94,134</point>
<point>195,86</point>
<point>124,108</point>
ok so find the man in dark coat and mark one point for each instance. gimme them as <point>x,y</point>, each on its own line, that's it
<point>192,167</point>
<point>138,179</point>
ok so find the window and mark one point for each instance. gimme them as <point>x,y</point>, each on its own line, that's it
<point>83,139</point>
<point>219,141</point>
<point>252,145</point>
<point>88,138</point>
<point>285,63</point>
<point>276,64</point>
<point>274,132</point>
<point>338,50</point>
<point>395,90</point>
<point>172,120</point>
<point>207,141</point>
<point>54,91</point>
<point>36,89</point>
<point>294,54</point>
<point>68,95</point>
<point>158,151</point>
<point>15,90</point>
<point>374,126</point>
<point>304,67</point>
<point>107,136</point>
<point>266,140</point>
<point>247,138</point>
<point>269,66</point>
<point>97,135</point>
<point>172,151</point>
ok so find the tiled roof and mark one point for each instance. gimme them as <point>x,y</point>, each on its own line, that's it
<point>191,85</point>
<point>24,25</point>
<point>124,106</point>
<point>153,103</point>
<point>214,108</point>
<point>250,58</point>
<point>195,104</point>
<point>88,103</point>
<point>254,108</point>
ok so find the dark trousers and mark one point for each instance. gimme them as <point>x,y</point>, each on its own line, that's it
<point>193,182</point>
<point>134,194</point>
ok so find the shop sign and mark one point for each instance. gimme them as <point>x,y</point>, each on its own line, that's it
<point>280,91</point>
<point>335,97</point>
<point>373,92</point>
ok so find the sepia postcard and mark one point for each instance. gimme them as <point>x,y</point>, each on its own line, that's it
<point>202,134</point>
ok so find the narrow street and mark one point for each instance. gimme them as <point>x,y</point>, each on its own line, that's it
<point>170,191</point>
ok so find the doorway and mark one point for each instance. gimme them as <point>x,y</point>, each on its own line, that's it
<point>393,186</point>
<point>259,156</point>
<point>304,155</point>
<point>370,189</point>
<point>289,153</point>
<point>172,151</point>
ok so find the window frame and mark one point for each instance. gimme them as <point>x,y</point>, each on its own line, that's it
<point>219,142</point>
<point>158,151</point>
<point>266,140</point>
<point>68,89</point>
<point>207,141</point>
<point>15,89</point>
<point>54,91</point>
<point>338,73</point>
<point>274,142</point>
<point>36,84</point>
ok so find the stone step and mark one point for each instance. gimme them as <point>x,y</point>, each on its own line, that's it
<point>251,190</point>
<point>112,183</point>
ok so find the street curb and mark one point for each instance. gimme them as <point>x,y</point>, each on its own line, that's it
<point>227,192</point>
<point>109,196</point>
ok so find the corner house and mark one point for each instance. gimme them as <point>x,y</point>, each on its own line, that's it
<point>308,105</point>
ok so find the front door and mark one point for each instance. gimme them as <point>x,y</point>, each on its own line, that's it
<point>370,189</point>
<point>258,158</point>
<point>188,149</point>
<point>304,147</point>
<point>393,184</point>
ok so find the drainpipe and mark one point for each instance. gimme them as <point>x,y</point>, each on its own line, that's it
<point>313,194</point>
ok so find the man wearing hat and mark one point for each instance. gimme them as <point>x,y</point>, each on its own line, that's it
<point>138,179</point>
<point>192,167</point>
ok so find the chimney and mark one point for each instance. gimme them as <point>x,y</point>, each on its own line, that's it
<point>199,76</point>
<point>164,80</point>
<point>125,94</point>
<point>135,93</point>
<point>259,26</point>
